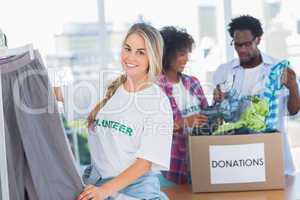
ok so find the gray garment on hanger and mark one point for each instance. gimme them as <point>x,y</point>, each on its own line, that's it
<point>38,154</point>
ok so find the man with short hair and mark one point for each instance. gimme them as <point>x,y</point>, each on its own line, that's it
<point>248,74</point>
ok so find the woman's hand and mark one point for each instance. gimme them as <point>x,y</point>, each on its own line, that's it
<point>91,192</point>
<point>195,120</point>
<point>132,173</point>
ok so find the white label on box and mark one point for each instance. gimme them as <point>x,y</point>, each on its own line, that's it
<point>244,163</point>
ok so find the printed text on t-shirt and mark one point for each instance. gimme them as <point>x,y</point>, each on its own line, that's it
<point>114,125</point>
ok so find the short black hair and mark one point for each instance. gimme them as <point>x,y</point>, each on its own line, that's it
<point>175,40</point>
<point>245,22</point>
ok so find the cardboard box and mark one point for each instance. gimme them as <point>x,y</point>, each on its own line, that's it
<point>236,162</point>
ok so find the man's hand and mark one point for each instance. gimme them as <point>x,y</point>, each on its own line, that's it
<point>218,94</point>
<point>288,78</point>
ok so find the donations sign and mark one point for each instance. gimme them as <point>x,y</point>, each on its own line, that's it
<point>243,163</point>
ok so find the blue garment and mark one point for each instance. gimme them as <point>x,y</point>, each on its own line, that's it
<point>234,102</point>
<point>233,106</point>
<point>147,187</point>
<point>273,87</point>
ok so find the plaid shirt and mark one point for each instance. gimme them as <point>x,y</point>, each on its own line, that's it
<point>178,172</point>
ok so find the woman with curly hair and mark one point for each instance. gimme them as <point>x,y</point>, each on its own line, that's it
<point>185,95</point>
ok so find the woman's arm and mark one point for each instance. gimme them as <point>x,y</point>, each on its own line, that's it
<point>58,94</point>
<point>191,121</point>
<point>136,170</point>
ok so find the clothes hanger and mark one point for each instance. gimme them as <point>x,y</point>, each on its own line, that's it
<point>3,40</point>
<point>5,53</point>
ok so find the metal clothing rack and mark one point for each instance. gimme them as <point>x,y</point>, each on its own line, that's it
<point>3,159</point>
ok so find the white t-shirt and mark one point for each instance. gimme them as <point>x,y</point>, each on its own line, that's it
<point>130,126</point>
<point>253,83</point>
<point>186,102</point>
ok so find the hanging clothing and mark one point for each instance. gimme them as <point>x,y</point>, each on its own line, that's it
<point>38,155</point>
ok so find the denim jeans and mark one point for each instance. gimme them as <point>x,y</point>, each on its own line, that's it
<point>147,187</point>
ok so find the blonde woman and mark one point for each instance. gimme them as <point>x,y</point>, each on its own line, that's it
<point>131,128</point>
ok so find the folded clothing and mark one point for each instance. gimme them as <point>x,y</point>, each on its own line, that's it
<point>252,118</point>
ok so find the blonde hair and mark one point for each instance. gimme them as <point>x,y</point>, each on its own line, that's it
<point>154,49</point>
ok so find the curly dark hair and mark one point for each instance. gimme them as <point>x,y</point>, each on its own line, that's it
<point>175,40</point>
<point>245,22</point>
